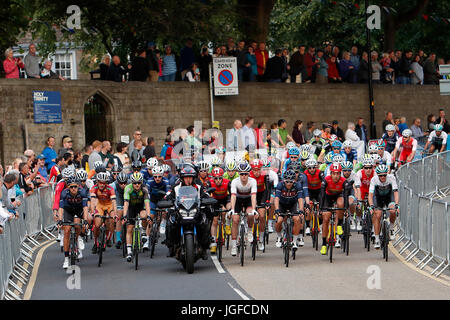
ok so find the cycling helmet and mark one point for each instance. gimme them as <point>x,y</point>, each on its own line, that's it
<point>317,133</point>
<point>304,155</point>
<point>333,137</point>
<point>72,180</point>
<point>166,168</point>
<point>438,127</point>
<point>335,167</point>
<point>122,177</point>
<point>98,164</point>
<point>373,148</point>
<point>289,175</point>
<point>231,165</point>
<point>102,177</point>
<point>100,169</point>
<point>188,171</point>
<point>328,158</point>
<point>216,162</point>
<point>116,169</point>
<point>136,164</point>
<point>152,162</point>
<point>256,164</point>
<point>158,170</point>
<point>244,167</point>
<point>294,151</point>
<point>137,177</point>
<point>407,133</point>
<point>381,144</point>
<point>390,127</point>
<point>67,173</point>
<point>336,144</point>
<point>82,175</point>
<point>311,163</point>
<point>376,158</point>
<point>295,166</point>
<point>290,145</point>
<point>347,144</point>
<point>266,163</point>
<point>217,172</point>
<point>338,159</point>
<point>382,168</point>
<point>203,165</point>
<point>367,162</point>
<point>347,165</point>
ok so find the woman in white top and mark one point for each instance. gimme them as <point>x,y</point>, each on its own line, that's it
<point>417,75</point>
<point>357,144</point>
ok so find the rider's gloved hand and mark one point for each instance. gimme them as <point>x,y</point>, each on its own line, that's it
<point>230,213</point>
<point>59,223</point>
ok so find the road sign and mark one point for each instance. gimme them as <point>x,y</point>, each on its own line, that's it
<point>444,83</point>
<point>47,107</point>
<point>225,76</point>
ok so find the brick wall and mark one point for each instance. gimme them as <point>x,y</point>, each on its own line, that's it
<point>154,106</point>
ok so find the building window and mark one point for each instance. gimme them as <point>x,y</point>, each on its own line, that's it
<point>63,65</point>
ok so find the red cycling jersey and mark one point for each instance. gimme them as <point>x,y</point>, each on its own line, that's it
<point>54,173</point>
<point>314,180</point>
<point>332,188</point>
<point>365,183</point>
<point>222,190</point>
<point>59,188</point>
<point>104,196</point>
<point>260,181</point>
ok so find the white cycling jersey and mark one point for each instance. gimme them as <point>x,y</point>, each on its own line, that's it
<point>273,178</point>
<point>383,189</point>
<point>386,158</point>
<point>241,190</point>
<point>433,137</point>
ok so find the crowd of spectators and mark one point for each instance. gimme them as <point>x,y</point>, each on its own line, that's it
<point>255,63</point>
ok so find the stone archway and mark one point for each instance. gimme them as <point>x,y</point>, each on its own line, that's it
<point>98,118</point>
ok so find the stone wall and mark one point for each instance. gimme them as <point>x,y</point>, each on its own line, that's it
<point>152,107</point>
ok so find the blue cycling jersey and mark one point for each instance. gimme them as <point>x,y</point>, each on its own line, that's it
<point>288,196</point>
<point>302,181</point>
<point>353,155</point>
<point>75,202</point>
<point>153,189</point>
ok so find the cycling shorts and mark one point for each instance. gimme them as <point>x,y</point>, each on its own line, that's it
<point>242,204</point>
<point>133,213</point>
<point>331,200</point>
<point>222,202</point>
<point>380,202</point>
<point>437,146</point>
<point>291,207</point>
<point>69,215</point>
<point>404,155</point>
<point>102,208</point>
<point>314,195</point>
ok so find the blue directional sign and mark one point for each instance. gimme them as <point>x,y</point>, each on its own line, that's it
<point>47,107</point>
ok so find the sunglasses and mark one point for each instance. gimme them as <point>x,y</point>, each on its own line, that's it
<point>157,177</point>
<point>368,168</point>
<point>73,187</point>
<point>347,170</point>
<point>218,178</point>
<point>243,174</point>
<point>294,157</point>
<point>288,181</point>
<point>139,183</point>
<point>122,183</point>
<point>202,170</point>
<point>382,175</point>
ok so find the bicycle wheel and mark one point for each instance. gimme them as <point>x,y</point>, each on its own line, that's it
<point>153,239</point>
<point>124,240</point>
<point>347,237</point>
<point>73,248</point>
<point>386,240</point>
<point>100,245</point>
<point>228,241</point>
<point>254,242</point>
<point>242,244</point>
<point>331,241</point>
<point>369,229</point>
<point>220,242</point>
<point>136,246</point>
<point>288,244</point>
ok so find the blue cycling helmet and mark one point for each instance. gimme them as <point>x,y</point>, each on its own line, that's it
<point>294,152</point>
<point>336,144</point>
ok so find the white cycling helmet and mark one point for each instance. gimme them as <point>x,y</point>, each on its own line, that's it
<point>102,177</point>
<point>347,144</point>
<point>290,145</point>
<point>98,164</point>
<point>338,159</point>
<point>367,162</point>
<point>203,165</point>
<point>390,127</point>
<point>152,162</point>
<point>67,173</point>
<point>376,158</point>
<point>317,133</point>
<point>82,175</point>
<point>373,148</point>
<point>311,163</point>
<point>166,168</point>
<point>407,133</point>
<point>216,162</point>
<point>157,170</point>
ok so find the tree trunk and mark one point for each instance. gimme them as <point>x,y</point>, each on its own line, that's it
<point>255,15</point>
<point>389,33</point>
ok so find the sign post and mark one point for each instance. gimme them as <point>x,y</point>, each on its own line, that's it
<point>444,83</point>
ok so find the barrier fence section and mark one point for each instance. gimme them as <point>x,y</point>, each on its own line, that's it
<point>424,221</point>
<point>19,238</point>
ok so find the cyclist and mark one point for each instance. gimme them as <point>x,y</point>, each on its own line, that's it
<point>203,172</point>
<point>334,189</point>
<point>222,188</point>
<point>243,198</point>
<point>437,140</point>
<point>103,202</point>
<point>262,196</point>
<point>136,166</point>
<point>383,192</point>
<point>408,145</point>
<point>136,202</point>
<point>363,178</point>
<point>60,186</point>
<point>288,196</point>
<point>347,173</point>
<point>231,173</point>
<point>95,170</point>
<point>147,172</point>
<point>390,138</point>
<point>318,142</point>
<point>386,157</point>
<point>350,154</point>
<point>314,179</point>
<point>294,154</point>
<point>86,185</point>
<point>156,186</point>
<point>72,207</point>
<point>119,189</point>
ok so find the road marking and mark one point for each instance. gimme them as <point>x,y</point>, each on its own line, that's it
<point>243,296</point>
<point>411,266</point>
<point>217,264</point>
<point>30,286</point>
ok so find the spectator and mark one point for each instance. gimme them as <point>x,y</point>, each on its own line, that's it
<point>311,63</point>
<point>137,135</point>
<point>387,74</point>
<point>355,58</point>
<point>274,68</point>
<point>328,52</point>
<point>115,71</point>
<point>47,73</point>
<point>248,134</point>
<point>404,68</point>
<point>272,143</point>
<point>9,182</point>
<point>363,71</point>
<point>122,154</point>
<point>376,68</point>
<point>282,132</point>
<point>187,58</point>
<point>31,62</point>
<point>193,75</point>
<point>159,66</point>
<point>431,121</point>
<point>441,120</point>
<point>395,63</point>
<point>336,53</point>
<point>234,142</point>
<point>337,131</point>
<point>310,127</point>
<point>417,75</point>
<point>260,131</point>
<point>104,67</point>
<point>421,55</point>
<point>402,126</point>
<point>67,144</point>
<point>31,156</point>
<point>203,63</point>
<point>251,57</point>
<point>333,73</point>
<point>25,179</point>
<point>361,130</point>
<point>357,144</point>
<point>149,151</point>
<point>166,151</point>
<point>388,120</point>
<point>85,159</point>
<point>170,130</point>
<point>397,123</point>
<point>140,69</point>
<point>95,154</point>
<point>262,56</point>
<point>137,151</point>
<point>417,132</point>
<point>297,65</point>
<point>150,55</point>
<point>297,133</point>
<point>430,73</point>
<point>285,57</point>
<point>50,153</point>
<point>107,157</point>
<point>322,66</point>
<point>42,170</point>
<point>346,68</point>
<point>244,66</point>
<point>231,48</point>
<point>11,65</point>
<point>169,65</point>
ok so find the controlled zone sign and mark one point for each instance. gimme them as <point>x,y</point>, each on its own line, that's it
<point>225,76</point>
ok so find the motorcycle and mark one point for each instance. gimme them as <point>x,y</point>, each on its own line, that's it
<point>188,212</point>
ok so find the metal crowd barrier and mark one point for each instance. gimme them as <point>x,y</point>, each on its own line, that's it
<point>20,237</point>
<point>424,219</point>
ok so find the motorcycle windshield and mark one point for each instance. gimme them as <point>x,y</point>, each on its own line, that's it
<point>187,197</point>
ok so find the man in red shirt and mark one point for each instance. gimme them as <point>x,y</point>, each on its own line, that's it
<point>311,64</point>
<point>262,56</point>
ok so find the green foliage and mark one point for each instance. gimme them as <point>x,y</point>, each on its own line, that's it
<point>13,22</point>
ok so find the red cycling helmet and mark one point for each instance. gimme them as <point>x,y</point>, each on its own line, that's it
<point>256,164</point>
<point>335,167</point>
<point>217,172</point>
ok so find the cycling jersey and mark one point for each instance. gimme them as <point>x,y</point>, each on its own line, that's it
<point>153,189</point>
<point>407,147</point>
<point>314,180</point>
<point>174,181</point>
<point>73,204</point>
<point>353,155</point>
<point>363,182</point>
<point>390,141</point>
<point>383,193</point>
<point>221,191</point>
<point>438,141</point>
<point>104,196</point>
<point>58,190</point>
<point>330,191</point>
<point>227,176</point>
<point>136,198</point>
<point>55,173</point>
<point>288,197</point>
<point>204,182</point>
<point>119,194</point>
<point>146,174</point>
<point>303,184</point>
<point>318,144</point>
<point>243,191</point>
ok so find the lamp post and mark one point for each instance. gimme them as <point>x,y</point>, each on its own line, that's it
<point>373,129</point>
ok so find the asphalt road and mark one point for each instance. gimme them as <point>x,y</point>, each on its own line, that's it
<point>310,276</point>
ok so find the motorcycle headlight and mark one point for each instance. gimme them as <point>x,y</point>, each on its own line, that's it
<point>190,213</point>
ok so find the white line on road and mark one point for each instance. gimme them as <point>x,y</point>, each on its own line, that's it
<point>217,264</point>
<point>243,296</point>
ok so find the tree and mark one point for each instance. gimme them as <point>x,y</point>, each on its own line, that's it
<point>254,18</point>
